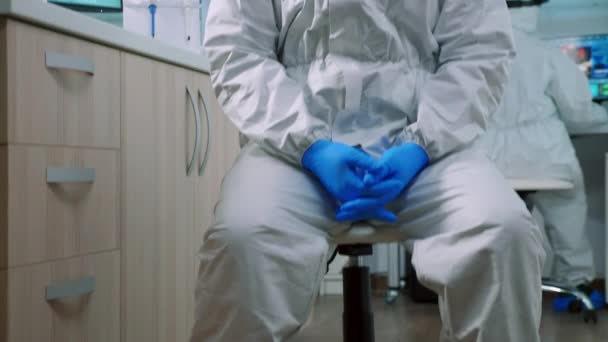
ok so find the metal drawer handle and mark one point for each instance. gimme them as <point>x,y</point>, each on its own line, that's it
<point>56,60</point>
<point>69,175</point>
<point>201,168</point>
<point>72,288</point>
<point>197,139</point>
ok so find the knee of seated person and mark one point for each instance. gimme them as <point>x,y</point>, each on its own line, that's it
<point>516,230</point>
<point>238,229</point>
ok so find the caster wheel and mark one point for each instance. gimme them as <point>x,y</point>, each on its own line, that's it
<point>590,316</point>
<point>391,296</point>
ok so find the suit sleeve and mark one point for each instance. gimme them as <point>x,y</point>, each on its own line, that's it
<point>570,92</point>
<point>475,53</point>
<point>252,85</point>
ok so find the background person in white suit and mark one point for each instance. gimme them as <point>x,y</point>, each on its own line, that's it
<point>547,95</point>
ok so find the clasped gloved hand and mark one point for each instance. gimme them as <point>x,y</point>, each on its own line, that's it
<point>400,164</point>
<point>362,184</point>
<point>339,167</point>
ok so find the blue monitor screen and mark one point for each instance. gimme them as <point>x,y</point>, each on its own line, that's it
<point>591,55</point>
<point>91,5</point>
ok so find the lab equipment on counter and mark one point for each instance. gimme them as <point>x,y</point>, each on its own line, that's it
<point>91,5</point>
<point>591,55</point>
<point>109,11</point>
<point>175,22</point>
<point>152,8</point>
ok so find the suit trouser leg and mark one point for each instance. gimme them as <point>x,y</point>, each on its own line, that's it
<point>477,246</point>
<point>264,257</point>
<point>565,215</point>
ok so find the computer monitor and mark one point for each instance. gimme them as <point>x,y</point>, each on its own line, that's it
<point>591,55</point>
<point>91,5</point>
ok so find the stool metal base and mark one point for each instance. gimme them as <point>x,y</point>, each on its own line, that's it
<point>391,296</point>
<point>357,317</point>
<point>589,312</point>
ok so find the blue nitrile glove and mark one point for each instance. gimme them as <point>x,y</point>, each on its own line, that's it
<point>401,163</point>
<point>339,168</point>
<point>379,194</point>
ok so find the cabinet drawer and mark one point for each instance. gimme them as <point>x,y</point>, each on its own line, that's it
<point>62,90</point>
<point>62,202</point>
<point>75,299</point>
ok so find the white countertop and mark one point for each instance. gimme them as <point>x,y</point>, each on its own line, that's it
<point>601,129</point>
<point>539,184</point>
<point>41,13</point>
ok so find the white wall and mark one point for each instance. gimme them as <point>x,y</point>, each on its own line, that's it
<point>566,18</point>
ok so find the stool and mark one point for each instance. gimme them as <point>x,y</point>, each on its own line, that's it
<point>357,316</point>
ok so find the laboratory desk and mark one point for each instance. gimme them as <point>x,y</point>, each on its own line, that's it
<point>597,130</point>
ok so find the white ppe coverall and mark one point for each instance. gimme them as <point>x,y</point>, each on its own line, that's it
<point>547,95</point>
<point>374,73</point>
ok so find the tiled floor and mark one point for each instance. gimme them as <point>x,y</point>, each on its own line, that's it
<point>405,321</point>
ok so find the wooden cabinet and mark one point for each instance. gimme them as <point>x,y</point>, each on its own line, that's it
<point>159,127</point>
<point>222,147</point>
<point>63,90</point>
<point>167,209</point>
<point>57,218</point>
<point>110,167</point>
<point>59,187</point>
<point>75,300</point>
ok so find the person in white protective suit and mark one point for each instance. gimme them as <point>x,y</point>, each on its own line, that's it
<point>547,96</point>
<point>342,102</point>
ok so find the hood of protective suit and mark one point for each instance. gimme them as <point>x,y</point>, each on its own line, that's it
<point>525,18</point>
